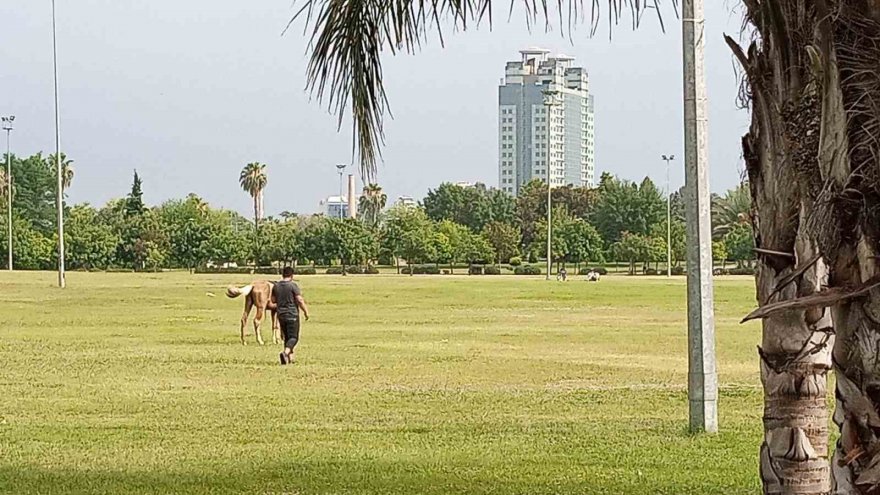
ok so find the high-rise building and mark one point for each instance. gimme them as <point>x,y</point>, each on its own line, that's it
<point>533,145</point>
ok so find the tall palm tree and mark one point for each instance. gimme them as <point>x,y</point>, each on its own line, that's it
<point>253,180</point>
<point>371,204</point>
<point>730,210</point>
<point>812,74</point>
<point>67,170</point>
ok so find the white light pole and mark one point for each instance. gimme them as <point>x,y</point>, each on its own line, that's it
<point>59,193</point>
<point>340,167</point>
<point>668,218</point>
<point>702,374</point>
<point>7,126</point>
<point>549,102</point>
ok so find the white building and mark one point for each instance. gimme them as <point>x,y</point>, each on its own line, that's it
<point>335,207</point>
<point>531,144</point>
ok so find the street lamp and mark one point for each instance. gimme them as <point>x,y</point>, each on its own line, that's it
<point>668,218</point>
<point>59,193</point>
<point>7,126</point>
<point>340,167</point>
<point>550,101</point>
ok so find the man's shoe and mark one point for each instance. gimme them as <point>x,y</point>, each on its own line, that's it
<point>284,359</point>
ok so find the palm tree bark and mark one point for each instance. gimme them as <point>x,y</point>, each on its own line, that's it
<point>812,157</point>
<point>783,143</point>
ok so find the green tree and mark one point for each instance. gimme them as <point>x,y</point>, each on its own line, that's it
<point>253,180</point>
<point>623,206</point>
<point>730,210</point>
<point>349,241</point>
<point>504,239</point>
<point>371,204</point>
<point>408,233</point>
<point>739,242</point>
<point>90,244</point>
<point>632,248</point>
<point>34,192</point>
<point>458,239</point>
<point>582,241</point>
<point>67,171</point>
<point>134,203</point>
<point>32,250</point>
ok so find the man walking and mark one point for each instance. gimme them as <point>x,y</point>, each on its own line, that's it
<point>289,301</point>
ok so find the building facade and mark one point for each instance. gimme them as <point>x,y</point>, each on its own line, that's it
<point>558,147</point>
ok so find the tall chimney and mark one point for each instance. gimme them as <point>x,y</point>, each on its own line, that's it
<point>352,200</point>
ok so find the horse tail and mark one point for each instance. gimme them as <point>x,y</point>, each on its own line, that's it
<point>232,292</point>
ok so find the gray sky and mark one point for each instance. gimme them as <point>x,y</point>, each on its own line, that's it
<point>188,92</point>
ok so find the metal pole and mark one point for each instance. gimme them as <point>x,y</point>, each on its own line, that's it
<point>547,120</point>
<point>9,198</point>
<point>668,159</point>
<point>702,375</point>
<point>59,193</point>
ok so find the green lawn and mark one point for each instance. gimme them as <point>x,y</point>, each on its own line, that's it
<point>427,385</point>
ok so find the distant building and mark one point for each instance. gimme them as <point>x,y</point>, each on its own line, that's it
<point>560,148</point>
<point>407,201</point>
<point>335,207</point>
<point>465,184</point>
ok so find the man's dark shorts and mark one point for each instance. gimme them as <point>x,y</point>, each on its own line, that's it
<point>290,332</point>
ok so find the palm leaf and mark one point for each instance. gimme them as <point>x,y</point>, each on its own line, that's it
<point>348,39</point>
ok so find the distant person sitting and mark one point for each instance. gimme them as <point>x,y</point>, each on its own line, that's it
<point>289,301</point>
<point>562,274</point>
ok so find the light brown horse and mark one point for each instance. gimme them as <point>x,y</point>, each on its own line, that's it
<point>257,295</point>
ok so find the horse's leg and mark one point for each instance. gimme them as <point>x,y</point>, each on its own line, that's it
<point>248,304</point>
<point>258,320</point>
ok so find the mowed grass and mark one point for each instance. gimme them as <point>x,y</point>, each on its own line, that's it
<point>129,383</point>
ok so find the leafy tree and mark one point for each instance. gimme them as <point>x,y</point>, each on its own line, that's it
<point>253,180</point>
<point>632,248</point>
<point>531,208</point>
<point>67,171</point>
<point>624,206</point>
<point>504,239</point>
<point>134,203</point>
<point>90,244</point>
<point>679,239</point>
<point>408,234</point>
<point>31,249</point>
<point>739,242</point>
<point>502,207</point>
<point>468,206</point>
<point>349,241</point>
<point>371,204</point>
<point>458,239</point>
<point>730,210</point>
<point>34,192</point>
<point>582,241</point>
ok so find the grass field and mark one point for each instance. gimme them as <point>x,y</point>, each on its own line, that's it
<point>428,385</point>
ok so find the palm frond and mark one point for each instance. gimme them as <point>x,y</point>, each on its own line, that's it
<point>348,39</point>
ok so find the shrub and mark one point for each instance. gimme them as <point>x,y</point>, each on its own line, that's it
<point>334,270</point>
<point>421,270</point>
<point>527,270</point>
<point>354,270</point>
<point>491,270</point>
<point>742,271</point>
<point>515,261</point>
<point>475,270</point>
<point>446,272</point>
<point>650,271</point>
<point>678,270</point>
<point>601,270</point>
<point>305,270</point>
<point>371,270</point>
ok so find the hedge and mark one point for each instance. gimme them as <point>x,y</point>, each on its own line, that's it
<point>421,270</point>
<point>527,270</point>
<point>491,270</point>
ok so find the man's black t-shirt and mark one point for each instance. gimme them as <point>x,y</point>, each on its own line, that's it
<point>285,293</point>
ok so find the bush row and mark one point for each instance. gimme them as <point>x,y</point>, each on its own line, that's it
<point>353,270</point>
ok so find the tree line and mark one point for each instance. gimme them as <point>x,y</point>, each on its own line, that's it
<point>453,225</point>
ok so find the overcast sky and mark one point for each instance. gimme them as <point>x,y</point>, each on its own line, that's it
<point>188,92</point>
